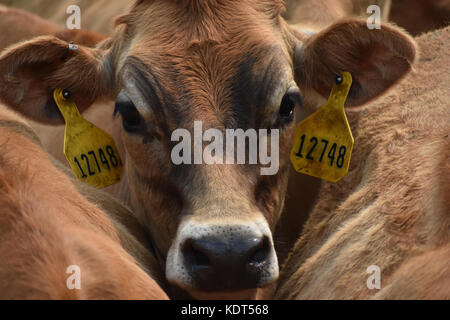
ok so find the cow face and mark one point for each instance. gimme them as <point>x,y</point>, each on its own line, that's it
<point>181,65</point>
<point>217,218</point>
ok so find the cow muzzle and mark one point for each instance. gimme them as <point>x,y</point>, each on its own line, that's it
<point>222,257</point>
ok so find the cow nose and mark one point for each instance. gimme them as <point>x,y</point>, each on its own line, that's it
<point>227,264</point>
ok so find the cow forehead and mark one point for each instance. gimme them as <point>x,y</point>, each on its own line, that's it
<point>209,78</point>
<point>199,29</point>
<point>201,19</point>
<point>197,57</point>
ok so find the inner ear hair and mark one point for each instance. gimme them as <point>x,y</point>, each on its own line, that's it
<point>31,70</point>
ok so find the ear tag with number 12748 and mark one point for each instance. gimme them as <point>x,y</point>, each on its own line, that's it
<point>323,141</point>
<point>91,152</point>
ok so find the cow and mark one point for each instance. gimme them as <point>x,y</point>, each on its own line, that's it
<point>420,16</point>
<point>415,16</point>
<point>313,15</point>
<point>230,65</point>
<point>94,15</point>
<point>18,25</point>
<point>51,225</point>
<point>391,212</point>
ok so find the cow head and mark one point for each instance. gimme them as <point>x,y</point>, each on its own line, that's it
<point>230,65</point>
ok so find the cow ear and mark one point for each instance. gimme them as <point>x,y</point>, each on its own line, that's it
<point>376,58</point>
<point>30,71</point>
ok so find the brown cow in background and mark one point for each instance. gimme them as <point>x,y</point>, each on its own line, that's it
<point>96,15</point>
<point>392,209</point>
<point>50,221</point>
<point>18,25</point>
<point>411,14</point>
<point>419,16</point>
<point>416,16</point>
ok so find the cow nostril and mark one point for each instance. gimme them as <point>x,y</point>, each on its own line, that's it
<point>260,252</point>
<point>239,261</point>
<point>195,255</point>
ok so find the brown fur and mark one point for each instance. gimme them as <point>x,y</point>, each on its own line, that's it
<point>424,277</point>
<point>333,51</point>
<point>391,210</point>
<point>18,25</point>
<point>416,16</point>
<point>57,68</point>
<point>202,60</point>
<point>318,14</point>
<point>385,48</point>
<point>420,16</point>
<point>96,15</point>
<point>46,225</point>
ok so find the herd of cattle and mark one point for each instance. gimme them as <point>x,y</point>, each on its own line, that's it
<point>225,231</point>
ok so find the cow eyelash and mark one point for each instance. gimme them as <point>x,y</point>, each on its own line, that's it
<point>131,119</point>
<point>291,99</point>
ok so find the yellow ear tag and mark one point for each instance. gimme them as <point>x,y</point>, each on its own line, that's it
<point>323,141</point>
<point>91,152</point>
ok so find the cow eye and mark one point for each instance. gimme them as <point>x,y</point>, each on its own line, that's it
<point>131,119</point>
<point>290,100</point>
